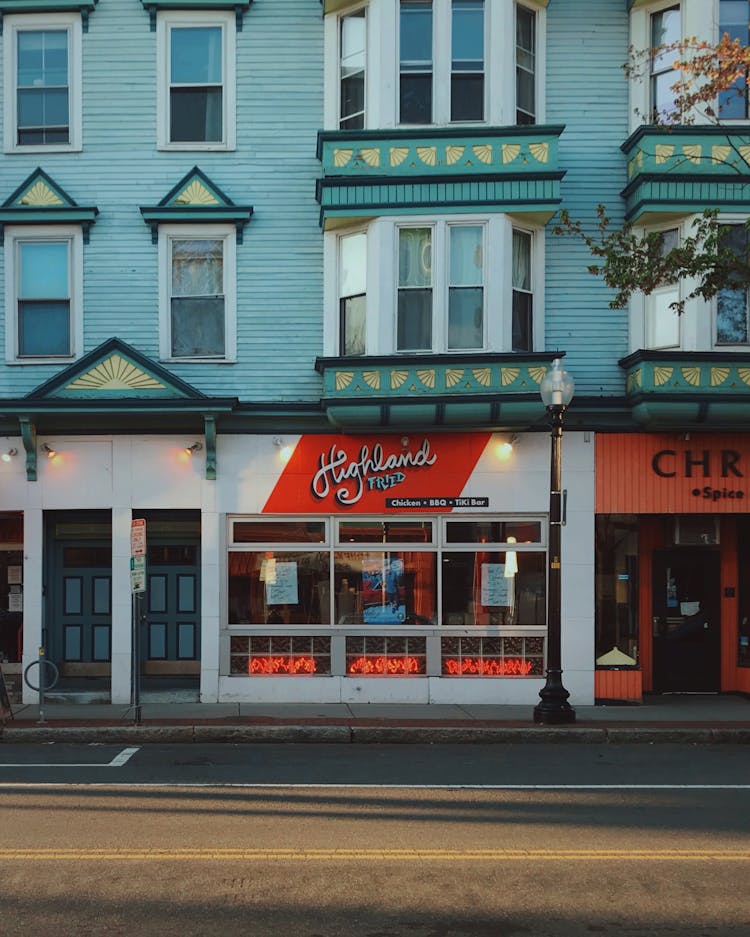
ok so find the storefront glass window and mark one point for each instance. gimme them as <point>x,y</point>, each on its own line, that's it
<point>494,588</point>
<point>389,587</point>
<point>279,588</point>
<point>616,590</point>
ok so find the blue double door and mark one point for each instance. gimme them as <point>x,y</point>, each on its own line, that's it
<point>78,588</point>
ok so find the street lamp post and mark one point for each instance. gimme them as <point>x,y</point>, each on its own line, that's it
<point>557,391</point>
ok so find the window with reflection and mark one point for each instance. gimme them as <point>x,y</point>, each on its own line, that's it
<point>288,587</point>
<point>388,587</point>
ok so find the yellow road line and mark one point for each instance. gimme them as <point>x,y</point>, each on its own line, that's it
<point>388,855</point>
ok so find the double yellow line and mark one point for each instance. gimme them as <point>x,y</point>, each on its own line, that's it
<point>211,854</point>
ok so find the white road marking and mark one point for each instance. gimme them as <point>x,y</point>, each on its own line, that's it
<point>270,785</point>
<point>117,762</point>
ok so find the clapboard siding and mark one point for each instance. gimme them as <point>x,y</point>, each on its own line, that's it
<point>279,111</point>
<point>586,90</point>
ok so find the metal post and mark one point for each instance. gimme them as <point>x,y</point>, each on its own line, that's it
<point>137,658</point>
<point>40,720</point>
<point>554,708</point>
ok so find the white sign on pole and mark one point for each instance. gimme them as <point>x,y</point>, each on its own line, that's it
<point>138,537</point>
<point>137,573</point>
<point>138,555</point>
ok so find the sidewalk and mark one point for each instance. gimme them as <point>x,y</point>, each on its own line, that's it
<point>691,718</point>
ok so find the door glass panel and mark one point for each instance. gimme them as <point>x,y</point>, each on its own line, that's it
<point>87,556</point>
<point>72,642</point>
<point>157,641</point>
<point>102,590</point>
<point>73,595</point>
<point>157,593</point>
<point>186,593</point>
<point>101,649</point>
<point>186,641</point>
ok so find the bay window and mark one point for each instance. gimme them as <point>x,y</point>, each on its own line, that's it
<point>445,284</point>
<point>422,62</point>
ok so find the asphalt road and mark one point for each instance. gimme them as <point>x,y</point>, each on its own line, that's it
<point>374,841</point>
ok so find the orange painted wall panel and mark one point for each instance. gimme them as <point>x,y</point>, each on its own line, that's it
<point>627,483</point>
<point>618,685</point>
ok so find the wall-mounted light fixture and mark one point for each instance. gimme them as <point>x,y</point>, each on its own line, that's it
<point>196,447</point>
<point>8,455</point>
<point>504,449</point>
<point>49,451</point>
<point>285,450</point>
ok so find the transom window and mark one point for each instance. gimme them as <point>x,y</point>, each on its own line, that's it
<point>42,82</point>
<point>196,95</point>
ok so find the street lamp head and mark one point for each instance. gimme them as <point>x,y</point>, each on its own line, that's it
<point>557,386</point>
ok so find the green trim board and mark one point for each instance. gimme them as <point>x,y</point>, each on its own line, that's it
<point>446,151</point>
<point>374,197</point>
<point>40,200</point>
<point>690,388</point>
<point>196,199</point>
<point>686,168</point>
<point>240,7</point>
<point>84,7</point>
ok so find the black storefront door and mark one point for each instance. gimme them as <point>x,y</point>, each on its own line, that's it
<point>686,621</point>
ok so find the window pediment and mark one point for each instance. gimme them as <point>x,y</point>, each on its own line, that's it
<point>40,200</point>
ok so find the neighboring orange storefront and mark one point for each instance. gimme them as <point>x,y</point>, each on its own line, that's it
<point>672,563</point>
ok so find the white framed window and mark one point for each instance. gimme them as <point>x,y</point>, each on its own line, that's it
<point>406,63</point>
<point>197,292</point>
<point>43,82</point>
<point>459,283</point>
<point>43,293</point>
<point>526,65</point>
<point>196,80</point>
<point>734,19</point>
<point>666,29</point>
<point>731,312</point>
<point>662,323</point>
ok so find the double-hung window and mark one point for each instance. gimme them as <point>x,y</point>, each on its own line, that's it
<point>522,326</point>
<point>445,313</point>
<point>666,29</point>
<point>43,292</point>
<point>198,301</point>
<point>42,77</point>
<point>352,293</point>
<point>732,326</point>
<point>734,19</point>
<point>662,321</point>
<point>196,88</point>
<point>441,45</point>
<point>352,52</point>
<point>525,65</point>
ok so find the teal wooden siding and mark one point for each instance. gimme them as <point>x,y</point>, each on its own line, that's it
<point>274,168</point>
<point>586,90</point>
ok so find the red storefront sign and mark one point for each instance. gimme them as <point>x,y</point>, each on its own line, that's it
<point>377,474</point>
<point>672,473</point>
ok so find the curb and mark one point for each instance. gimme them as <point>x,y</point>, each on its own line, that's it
<point>384,735</point>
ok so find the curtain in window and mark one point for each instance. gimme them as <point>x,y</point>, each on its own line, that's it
<point>197,304</point>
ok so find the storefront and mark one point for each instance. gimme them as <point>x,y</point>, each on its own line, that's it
<point>311,568</point>
<point>672,564</point>
<point>400,568</point>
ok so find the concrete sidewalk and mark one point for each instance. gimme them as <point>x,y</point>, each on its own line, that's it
<point>689,718</point>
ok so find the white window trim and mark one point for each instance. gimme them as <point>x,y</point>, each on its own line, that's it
<point>229,235</point>
<point>166,20</point>
<point>12,25</point>
<point>725,219</point>
<point>16,233</point>
<point>382,58</point>
<point>382,282</point>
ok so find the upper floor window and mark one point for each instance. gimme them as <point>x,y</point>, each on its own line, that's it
<point>352,70</point>
<point>662,321</point>
<point>196,80</point>
<point>666,29</point>
<point>198,292</point>
<point>42,56</point>
<point>734,19</point>
<point>423,70</point>
<point>525,65</point>
<point>443,285</point>
<point>43,292</point>
<point>732,326</point>
<point>422,62</point>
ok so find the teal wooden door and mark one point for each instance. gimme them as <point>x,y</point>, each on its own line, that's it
<point>79,629</point>
<point>171,639</point>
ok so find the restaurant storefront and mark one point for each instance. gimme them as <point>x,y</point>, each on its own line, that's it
<point>672,564</point>
<point>410,568</point>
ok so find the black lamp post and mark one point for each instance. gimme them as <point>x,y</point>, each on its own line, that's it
<point>557,391</point>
